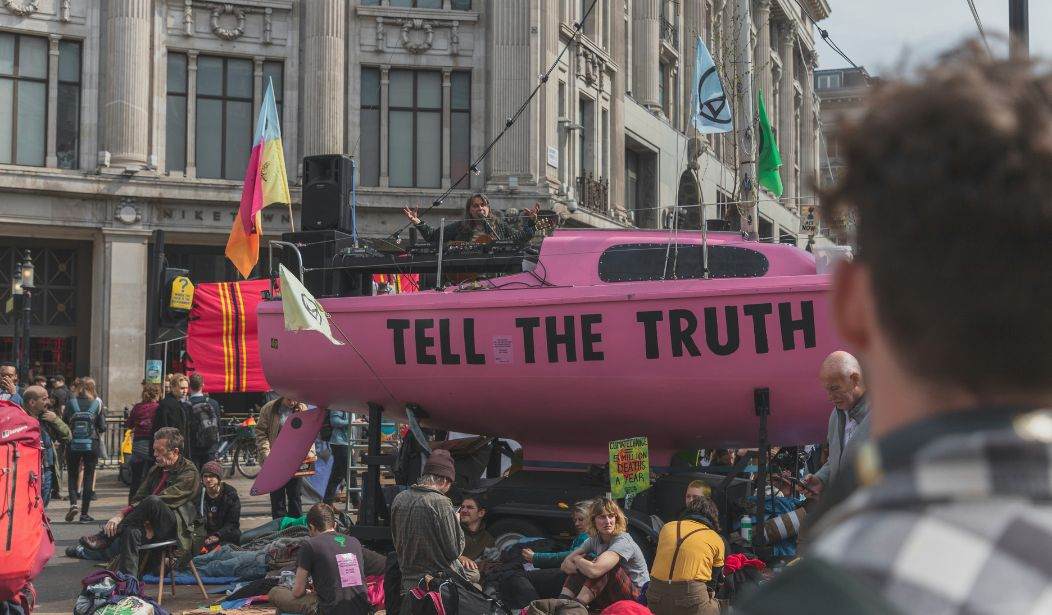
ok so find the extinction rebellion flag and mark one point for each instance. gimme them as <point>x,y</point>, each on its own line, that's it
<point>711,109</point>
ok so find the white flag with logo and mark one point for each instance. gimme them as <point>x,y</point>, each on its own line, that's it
<point>302,311</point>
<point>711,111</point>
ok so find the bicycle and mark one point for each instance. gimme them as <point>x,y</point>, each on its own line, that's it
<point>238,446</point>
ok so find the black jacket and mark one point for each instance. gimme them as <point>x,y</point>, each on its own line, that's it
<point>222,515</point>
<point>171,412</point>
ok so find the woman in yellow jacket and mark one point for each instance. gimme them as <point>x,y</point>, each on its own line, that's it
<point>688,563</point>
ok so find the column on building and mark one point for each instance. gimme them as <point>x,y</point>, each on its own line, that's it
<point>118,315</point>
<point>646,41</point>
<point>51,158</point>
<point>787,114</point>
<point>617,108</point>
<point>510,82</point>
<point>694,22</point>
<point>762,62</point>
<point>126,94</point>
<point>325,29</point>
<point>809,128</point>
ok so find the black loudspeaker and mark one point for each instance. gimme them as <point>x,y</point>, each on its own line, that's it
<point>327,185</point>
<point>318,249</point>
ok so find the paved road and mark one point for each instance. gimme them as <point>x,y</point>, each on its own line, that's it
<point>59,584</point>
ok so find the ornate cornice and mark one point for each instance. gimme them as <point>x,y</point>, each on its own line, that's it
<point>22,8</point>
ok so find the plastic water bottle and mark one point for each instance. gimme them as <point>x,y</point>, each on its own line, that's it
<point>746,531</point>
<point>288,578</point>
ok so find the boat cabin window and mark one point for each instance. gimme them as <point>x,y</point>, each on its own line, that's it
<point>642,262</point>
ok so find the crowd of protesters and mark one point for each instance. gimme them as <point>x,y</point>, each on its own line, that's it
<point>936,500</point>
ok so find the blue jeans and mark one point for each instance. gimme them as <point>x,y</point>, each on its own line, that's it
<point>47,483</point>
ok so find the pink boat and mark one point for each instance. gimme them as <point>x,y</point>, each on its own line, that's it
<point>612,334</point>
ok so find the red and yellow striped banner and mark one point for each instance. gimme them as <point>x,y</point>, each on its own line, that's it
<point>222,336</point>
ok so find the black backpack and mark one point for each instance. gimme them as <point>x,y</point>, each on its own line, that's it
<point>204,425</point>
<point>449,593</point>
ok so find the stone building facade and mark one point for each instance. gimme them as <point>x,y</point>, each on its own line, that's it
<point>120,117</point>
<point>843,94</point>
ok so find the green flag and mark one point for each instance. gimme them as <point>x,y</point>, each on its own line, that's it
<point>769,160</point>
<point>302,310</point>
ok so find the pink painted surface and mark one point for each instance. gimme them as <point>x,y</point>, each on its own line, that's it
<point>565,410</point>
<point>289,450</point>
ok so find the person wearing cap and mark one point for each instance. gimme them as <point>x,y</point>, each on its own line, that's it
<point>220,508</point>
<point>427,533</point>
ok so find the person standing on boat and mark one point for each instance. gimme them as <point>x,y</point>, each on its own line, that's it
<point>479,224</point>
<point>841,377</point>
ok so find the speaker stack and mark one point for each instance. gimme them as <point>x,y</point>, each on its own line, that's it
<point>326,224</point>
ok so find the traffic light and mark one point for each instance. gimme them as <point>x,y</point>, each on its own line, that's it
<point>177,297</point>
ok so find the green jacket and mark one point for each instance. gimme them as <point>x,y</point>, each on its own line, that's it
<point>181,495</point>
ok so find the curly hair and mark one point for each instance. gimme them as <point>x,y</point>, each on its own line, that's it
<point>948,183</point>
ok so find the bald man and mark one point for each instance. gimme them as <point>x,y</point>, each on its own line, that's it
<point>841,377</point>
<point>35,402</point>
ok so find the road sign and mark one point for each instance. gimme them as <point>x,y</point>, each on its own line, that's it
<point>182,297</point>
<point>808,219</point>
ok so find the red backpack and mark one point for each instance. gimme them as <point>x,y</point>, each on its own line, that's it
<point>26,543</point>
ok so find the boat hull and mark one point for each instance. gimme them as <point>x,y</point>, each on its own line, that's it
<point>566,370</point>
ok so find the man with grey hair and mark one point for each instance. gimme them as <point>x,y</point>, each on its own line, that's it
<point>841,377</point>
<point>427,533</point>
<point>163,508</point>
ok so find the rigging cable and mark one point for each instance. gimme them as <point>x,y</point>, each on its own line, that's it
<point>979,25</point>
<point>474,166</point>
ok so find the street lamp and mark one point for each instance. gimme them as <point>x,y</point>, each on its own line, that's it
<point>16,294</point>
<point>26,275</point>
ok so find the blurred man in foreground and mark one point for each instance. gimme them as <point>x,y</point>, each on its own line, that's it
<point>947,306</point>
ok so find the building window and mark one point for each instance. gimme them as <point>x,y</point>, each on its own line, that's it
<point>23,99</point>
<point>604,129</point>
<point>175,118</point>
<point>663,82</point>
<point>461,5</point>
<point>67,147</point>
<point>563,135</point>
<point>415,129</point>
<point>224,117</point>
<point>766,230</point>
<point>369,156</point>
<point>460,131</point>
<point>420,4</point>
<point>586,148</point>
<point>274,70</point>
<point>722,201</point>
<point>828,82</point>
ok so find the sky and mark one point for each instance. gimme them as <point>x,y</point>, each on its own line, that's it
<point>881,34</point>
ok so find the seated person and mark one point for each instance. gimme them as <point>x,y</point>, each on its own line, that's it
<point>619,571</point>
<point>554,559</point>
<point>479,222</point>
<point>220,508</point>
<point>696,489</point>
<point>163,508</point>
<point>689,562</point>
<point>336,566</point>
<point>476,538</point>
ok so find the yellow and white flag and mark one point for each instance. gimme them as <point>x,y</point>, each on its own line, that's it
<point>302,311</point>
